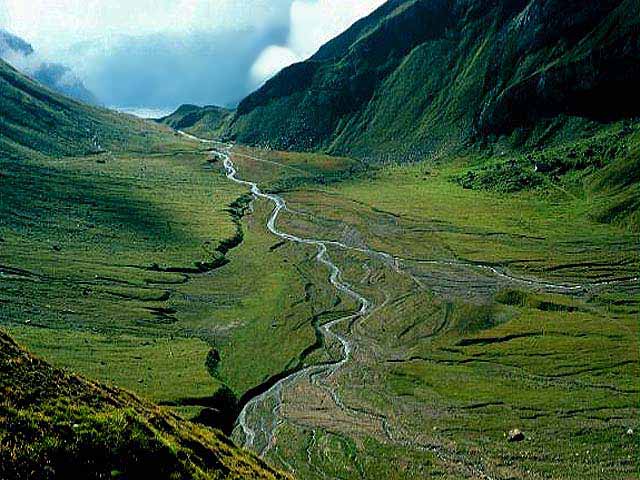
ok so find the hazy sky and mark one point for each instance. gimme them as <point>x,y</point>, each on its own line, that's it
<point>161,53</point>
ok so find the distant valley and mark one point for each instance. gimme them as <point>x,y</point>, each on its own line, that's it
<point>412,256</point>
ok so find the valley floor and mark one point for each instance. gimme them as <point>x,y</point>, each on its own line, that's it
<point>499,311</point>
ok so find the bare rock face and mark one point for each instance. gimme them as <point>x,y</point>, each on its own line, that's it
<point>515,435</point>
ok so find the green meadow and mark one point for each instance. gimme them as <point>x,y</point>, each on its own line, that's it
<point>141,270</point>
<point>457,355</point>
<point>155,273</point>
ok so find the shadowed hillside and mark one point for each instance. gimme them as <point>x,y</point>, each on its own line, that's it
<point>35,120</point>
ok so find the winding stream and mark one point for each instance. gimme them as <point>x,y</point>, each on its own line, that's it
<point>335,278</point>
<point>244,425</point>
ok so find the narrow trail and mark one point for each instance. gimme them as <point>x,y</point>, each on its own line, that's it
<point>251,429</point>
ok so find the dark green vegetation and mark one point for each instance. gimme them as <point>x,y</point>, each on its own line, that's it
<point>205,122</point>
<point>57,425</point>
<point>424,77</point>
<point>54,75</point>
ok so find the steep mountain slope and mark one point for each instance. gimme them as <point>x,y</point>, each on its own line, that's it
<point>53,75</point>
<point>62,79</point>
<point>422,76</point>
<point>10,43</point>
<point>57,425</point>
<point>35,120</point>
<point>207,122</point>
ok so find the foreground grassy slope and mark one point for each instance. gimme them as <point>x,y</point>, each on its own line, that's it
<point>57,425</point>
<point>422,77</point>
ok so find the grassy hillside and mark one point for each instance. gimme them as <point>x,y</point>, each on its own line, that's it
<point>36,121</point>
<point>57,425</point>
<point>603,167</point>
<point>420,77</point>
<point>205,122</point>
<point>122,263</point>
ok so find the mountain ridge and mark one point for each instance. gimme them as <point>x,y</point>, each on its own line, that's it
<point>422,76</point>
<point>53,75</point>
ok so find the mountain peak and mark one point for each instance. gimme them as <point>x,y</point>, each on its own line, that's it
<point>10,42</point>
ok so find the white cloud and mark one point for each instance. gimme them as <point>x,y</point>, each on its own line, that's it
<point>159,51</point>
<point>28,64</point>
<point>271,61</point>
<point>313,23</point>
<point>53,25</point>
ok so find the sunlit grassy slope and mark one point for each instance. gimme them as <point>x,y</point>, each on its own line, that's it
<point>57,425</point>
<point>120,270</point>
